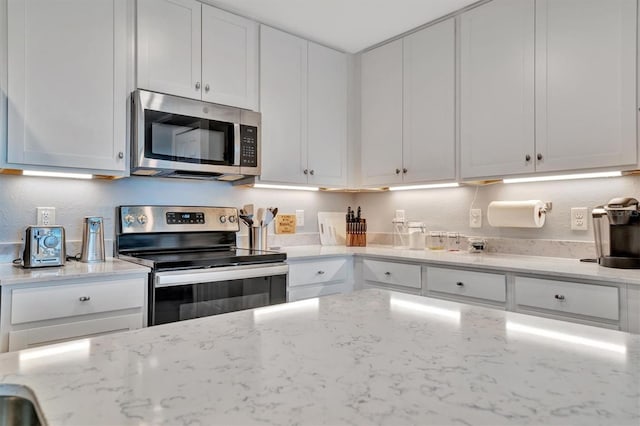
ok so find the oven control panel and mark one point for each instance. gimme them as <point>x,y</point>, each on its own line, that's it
<point>141,219</point>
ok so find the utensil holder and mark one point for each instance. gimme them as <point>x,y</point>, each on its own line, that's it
<point>258,238</point>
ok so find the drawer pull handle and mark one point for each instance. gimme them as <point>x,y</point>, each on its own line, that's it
<point>559,297</point>
<point>320,272</point>
<point>387,273</point>
<point>460,284</point>
<point>84,298</point>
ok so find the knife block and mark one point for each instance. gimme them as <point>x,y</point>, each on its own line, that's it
<point>357,234</point>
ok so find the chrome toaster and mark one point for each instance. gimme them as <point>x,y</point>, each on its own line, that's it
<point>43,246</point>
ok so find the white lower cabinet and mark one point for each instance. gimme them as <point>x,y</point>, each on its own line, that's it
<point>52,312</point>
<point>319,277</point>
<point>460,284</point>
<point>392,275</point>
<point>597,302</point>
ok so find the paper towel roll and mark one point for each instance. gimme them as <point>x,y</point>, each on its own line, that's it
<point>516,214</point>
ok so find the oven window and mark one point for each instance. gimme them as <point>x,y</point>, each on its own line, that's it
<point>178,303</point>
<point>175,137</point>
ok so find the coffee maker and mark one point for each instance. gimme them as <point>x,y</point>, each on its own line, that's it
<point>616,229</point>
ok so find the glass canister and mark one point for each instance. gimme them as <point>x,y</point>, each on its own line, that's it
<point>416,235</point>
<point>454,241</point>
<point>437,240</point>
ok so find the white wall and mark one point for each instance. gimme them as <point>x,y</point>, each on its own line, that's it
<point>448,209</point>
<point>441,209</point>
<point>74,199</point>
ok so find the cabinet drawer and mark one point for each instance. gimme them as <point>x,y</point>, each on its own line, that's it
<point>49,302</point>
<point>318,271</point>
<point>40,336</point>
<point>400,274</point>
<point>309,292</point>
<point>576,298</point>
<point>480,285</point>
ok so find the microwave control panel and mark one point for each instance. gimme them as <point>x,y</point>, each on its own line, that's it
<point>248,146</point>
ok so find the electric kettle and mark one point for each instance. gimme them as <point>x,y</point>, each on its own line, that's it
<point>92,240</point>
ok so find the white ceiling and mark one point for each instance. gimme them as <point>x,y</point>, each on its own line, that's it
<point>348,25</point>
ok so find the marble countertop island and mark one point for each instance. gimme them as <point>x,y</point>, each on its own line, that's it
<point>370,357</point>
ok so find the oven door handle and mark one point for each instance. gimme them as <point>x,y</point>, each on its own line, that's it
<point>175,278</point>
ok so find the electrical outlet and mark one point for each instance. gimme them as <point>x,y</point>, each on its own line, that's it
<point>46,216</point>
<point>579,218</point>
<point>299,217</point>
<point>475,218</point>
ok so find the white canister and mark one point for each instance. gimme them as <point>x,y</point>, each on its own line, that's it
<point>416,235</point>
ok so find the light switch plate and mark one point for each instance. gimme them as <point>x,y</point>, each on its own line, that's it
<point>299,217</point>
<point>579,219</point>
<point>475,218</point>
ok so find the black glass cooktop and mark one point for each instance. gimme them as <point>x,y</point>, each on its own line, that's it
<point>168,260</point>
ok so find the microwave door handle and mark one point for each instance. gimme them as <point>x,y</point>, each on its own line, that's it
<point>236,144</point>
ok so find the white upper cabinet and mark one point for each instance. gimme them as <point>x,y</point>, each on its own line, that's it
<point>67,92</point>
<point>283,103</point>
<point>303,100</point>
<point>327,112</point>
<point>585,84</point>
<point>229,59</point>
<point>193,50</point>
<point>428,148</point>
<point>497,89</point>
<point>382,115</point>
<point>408,109</point>
<point>169,47</point>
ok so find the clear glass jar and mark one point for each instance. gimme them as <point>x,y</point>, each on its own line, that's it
<point>454,241</point>
<point>437,240</point>
<point>416,235</point>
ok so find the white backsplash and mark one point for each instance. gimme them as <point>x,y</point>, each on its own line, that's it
<point>442,209</point>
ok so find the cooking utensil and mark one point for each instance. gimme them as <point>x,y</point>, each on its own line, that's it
<point>259,218</point>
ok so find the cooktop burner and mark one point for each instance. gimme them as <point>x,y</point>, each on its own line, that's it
<point>208,259</point>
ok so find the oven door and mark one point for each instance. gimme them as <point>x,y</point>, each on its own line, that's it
<point>182,295</point>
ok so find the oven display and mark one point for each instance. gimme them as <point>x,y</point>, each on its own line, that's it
<point>181,218</point>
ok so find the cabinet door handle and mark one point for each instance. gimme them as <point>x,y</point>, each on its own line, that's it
<point>206,87</point>
<point>397,171</point>
<point>305,171</point>
<point>404,170</point>
<point>559,297</point>
<point>539,156</point>
<point>387,273</point>
<point>320,272</point>
<point>197,85</point>
<point>460,284</point>
<point>527,158</point>
<point>84,298</point>
<point>121,155</point>
<point>311,172</point>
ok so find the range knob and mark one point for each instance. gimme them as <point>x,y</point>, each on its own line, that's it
<point>129,219</point>
<point>142,219</point>
<point>223,219</point>
<point>232,219</point>
<point>50,241</point>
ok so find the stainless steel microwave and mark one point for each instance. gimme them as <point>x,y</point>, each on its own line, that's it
<point>186,138</point>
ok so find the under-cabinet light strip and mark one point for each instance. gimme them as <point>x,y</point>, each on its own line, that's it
<point>563,177</point>
<point>297,188</point>
<point>432,186</point>
<point>56,174</point>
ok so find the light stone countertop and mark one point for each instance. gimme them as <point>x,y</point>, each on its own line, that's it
<point>555,266</point>
<point>370,357</point>
<point>11,274</point>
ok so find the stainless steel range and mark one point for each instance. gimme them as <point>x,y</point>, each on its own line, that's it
<point>197,270</point>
